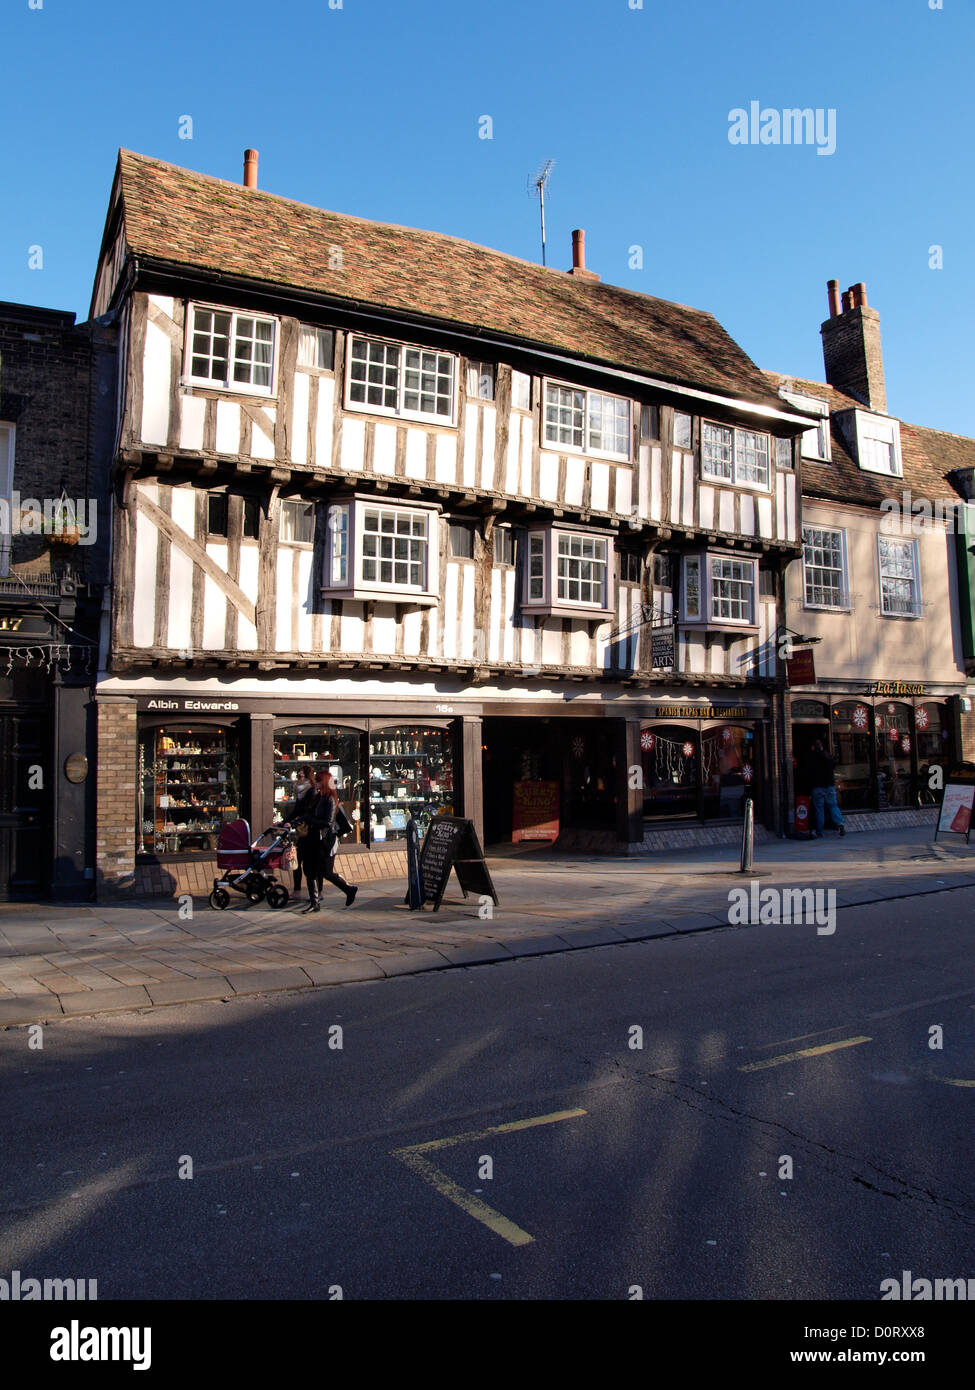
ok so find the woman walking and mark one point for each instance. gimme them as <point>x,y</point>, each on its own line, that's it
<point>321,842</point>
<point>304,796</point>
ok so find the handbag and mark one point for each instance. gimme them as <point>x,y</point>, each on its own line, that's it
<point>301,830</point>
<point>343,826</point>
<point>289,859</point>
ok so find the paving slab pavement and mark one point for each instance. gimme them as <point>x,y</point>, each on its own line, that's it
<point>74,960</point>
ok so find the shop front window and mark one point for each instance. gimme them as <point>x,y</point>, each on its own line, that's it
<point>410,773</point>
<point>189,787</point>
<point>727,770</point>
<point>326,748</point>
<point>850,722</point>
<point>893,739</point>
<point>670,759</point>
<point>934,750</point>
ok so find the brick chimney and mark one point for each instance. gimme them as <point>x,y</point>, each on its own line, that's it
<point>851,346</point>
<point>579,257</point>
<point>250,168</point>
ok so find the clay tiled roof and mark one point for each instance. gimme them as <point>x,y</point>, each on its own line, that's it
<point>927,455</point>
<point>209,224</point>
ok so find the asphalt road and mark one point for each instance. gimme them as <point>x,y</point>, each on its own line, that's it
<point>613,1167</point>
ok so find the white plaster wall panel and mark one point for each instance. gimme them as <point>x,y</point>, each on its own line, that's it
<point>656,485</point>
<point>726,510</point>
<point>144,598</point>
<point>747,514</point>
<point>323,425</point>
<point>643,481</point>
<point>180,599</point>
<point>764,505</point>
<point>741,658</point>
<point>450,611</point>
<point>304,596</point>
<point>511,470</point>
<point>676,471</point>
<point>155,386</point>
<point>412,620</point>
<point>299,416</point>
<point>604,645</point>
<point>695,657</point>
<point>471,418</point>
<point>548,477</point>
<point>351,628</point>
<point>283,635</point>
<point>599,487</point>
<point>228,427</point>
<point>532,646</point>
<point>624,492</point>
<point>551,647</point>
<point>384,629</point>
<point>780,505</point>
<point>182,508</point>
<point>215,602</point>
<point>246,631</point>
<point>193,411</point>
<point>705,502</point>
<point>384,449</point>
<point>790,507</point>
<point>526,455</point>
<point>687,496</point>
<point>496,623</point>
<point>487,447</point>
<point>575,481</point>
<point>262,436</point>
<point>579,645</point>
<point>416,454</point>
<point>716,658</point>
<point>433,640</point>
<point>445,458</point>
<point>353,445</point>
<point>471,642</point>
<point>164,302</point>
<point>508,616</point>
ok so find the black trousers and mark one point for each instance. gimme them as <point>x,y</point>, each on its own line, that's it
<point>320,869</point>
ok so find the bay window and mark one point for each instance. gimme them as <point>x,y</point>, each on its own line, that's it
<point>381,551</point>
<point>719,590</point>
<point>569,571</point>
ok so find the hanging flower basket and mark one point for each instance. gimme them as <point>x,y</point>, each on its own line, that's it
<point>67,535</point>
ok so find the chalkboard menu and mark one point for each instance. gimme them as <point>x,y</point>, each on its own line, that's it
<point>452,843</point>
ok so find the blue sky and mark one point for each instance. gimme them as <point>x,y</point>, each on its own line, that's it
<point>374,109</point>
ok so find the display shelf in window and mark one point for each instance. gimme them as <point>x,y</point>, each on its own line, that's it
<point>188,788</point>
<point>410,774</point>
<point>327,747</point>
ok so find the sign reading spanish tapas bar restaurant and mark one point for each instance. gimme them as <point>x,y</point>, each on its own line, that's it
<point>704,712</point>
<point>899,688</point>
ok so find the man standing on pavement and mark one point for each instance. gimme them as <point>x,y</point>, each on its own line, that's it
<point>820,771</point>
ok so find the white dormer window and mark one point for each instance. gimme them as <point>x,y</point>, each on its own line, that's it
<point>397,379</point>
<point>878,444</point>
<point>233,352</point>
<point>587,421</point>
<point>815,441</point>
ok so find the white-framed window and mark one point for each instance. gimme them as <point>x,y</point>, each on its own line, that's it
<point>480,380</point>
<point>7,436</point>
<point>878,444</point>
<point>521,391</point>
<point>586,421</point>
<point>316,347</point>
<point>504,545</point>
<point>399,379</point>
<point>297,522</point>
<point>683,430</point>
<point>815,441</point>
<point>734,455</point>
<point>719,590</point>
<point>230,351</point>
<point>382,550</point>
<point>824,573</point>
<point>783,453</point>
<point>569,572</point>
<point>900,580</point>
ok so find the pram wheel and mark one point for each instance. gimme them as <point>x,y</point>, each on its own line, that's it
<point>277,895</point>
<point>219,899</point>
<point>255,892</point>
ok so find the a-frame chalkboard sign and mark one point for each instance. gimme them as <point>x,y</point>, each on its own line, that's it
<point>452,843</point>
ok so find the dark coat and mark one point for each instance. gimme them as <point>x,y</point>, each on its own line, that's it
<point>820,769</point>
<point>316,849</point>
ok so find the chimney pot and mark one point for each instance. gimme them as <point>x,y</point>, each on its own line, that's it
<point>861,295</point>
<point>847,300</point>
<point>833,291</point>
<point>578,249</point>
<point>250,168</point>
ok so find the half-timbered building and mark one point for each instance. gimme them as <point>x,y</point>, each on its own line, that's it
<point>446,521</point>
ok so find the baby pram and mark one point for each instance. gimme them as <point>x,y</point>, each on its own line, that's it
<point>247,866</point>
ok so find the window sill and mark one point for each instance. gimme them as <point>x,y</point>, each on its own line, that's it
<point>694,625</point>
<point>443,422</point>
<point>764,488</point>
<point>210,389</point>
<point>405,598</point>
<point>566,610</point>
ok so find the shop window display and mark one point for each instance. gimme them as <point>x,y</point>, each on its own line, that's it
<point>670,757</point>
<point>327,747</point>
<point>850,724</point>
<point>933,750</point>
<point>893,739</point>
<point>410,773</point>
<point>188,787</point>
<point>727,770</point>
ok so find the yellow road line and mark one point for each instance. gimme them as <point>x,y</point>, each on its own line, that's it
<point>805,1052</point>
<point>473,1206</point>
<point>474,1134</point>
<point>949,1082</point>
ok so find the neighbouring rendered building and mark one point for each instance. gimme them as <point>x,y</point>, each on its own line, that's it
<point>444,520</point>
<point>57,408</point>
<point>881,676</point>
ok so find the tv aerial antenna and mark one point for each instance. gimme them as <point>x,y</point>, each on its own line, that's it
<point>536,189</point>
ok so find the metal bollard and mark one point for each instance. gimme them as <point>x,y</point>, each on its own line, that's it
<point>748,838</point>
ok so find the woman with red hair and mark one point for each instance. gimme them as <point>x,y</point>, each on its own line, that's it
<point>320,852</point>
